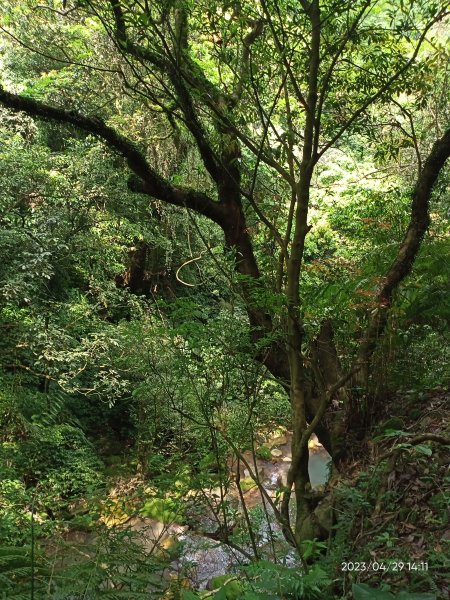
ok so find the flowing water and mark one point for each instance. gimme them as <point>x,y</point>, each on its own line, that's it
<point>202,557</point>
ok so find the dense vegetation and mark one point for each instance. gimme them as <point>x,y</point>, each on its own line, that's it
<point>224,231</point>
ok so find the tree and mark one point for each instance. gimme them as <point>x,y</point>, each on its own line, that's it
<point>267,88</point>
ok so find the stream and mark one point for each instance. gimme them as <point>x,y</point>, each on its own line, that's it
<point>202,557</point>
<point>208,559</point>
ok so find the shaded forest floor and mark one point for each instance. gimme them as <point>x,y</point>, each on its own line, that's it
<point>396,500</point>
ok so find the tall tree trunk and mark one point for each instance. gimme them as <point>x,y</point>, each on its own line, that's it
<point>298,474</point>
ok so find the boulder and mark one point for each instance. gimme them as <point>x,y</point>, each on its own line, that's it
<point>276,453</point>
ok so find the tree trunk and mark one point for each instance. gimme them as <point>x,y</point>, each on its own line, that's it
<point>404,261</point>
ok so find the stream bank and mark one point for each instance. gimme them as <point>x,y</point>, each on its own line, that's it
<point>194,549</point>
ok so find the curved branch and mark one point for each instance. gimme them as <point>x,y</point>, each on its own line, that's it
<point>403,263</point>
<point>171,68</point>
<point>187,262</point>
<point>148,180</point>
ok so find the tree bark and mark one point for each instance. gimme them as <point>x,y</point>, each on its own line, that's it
<point>404,261</point>
<point>298,474</point>
<point>287,363</point>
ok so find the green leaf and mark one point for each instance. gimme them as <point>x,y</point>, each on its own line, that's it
<point>415,596</point>
<point>221,594</point>
<point>188,595</point>
<point>424,449</point>
<point>361,591</point>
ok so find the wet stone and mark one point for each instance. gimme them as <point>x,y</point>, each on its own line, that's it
<point>273,482</point>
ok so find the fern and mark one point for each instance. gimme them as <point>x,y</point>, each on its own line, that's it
<point>114,566</point>
<point>19,575</point>
<point>55,403</point>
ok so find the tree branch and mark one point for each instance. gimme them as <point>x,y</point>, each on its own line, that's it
<point>412,135</point>
<point>148,180</point>
<point>416,440</point>
<point>281,51</point>
<point>171,68</point>
<point>383,88</point>
<point>330,71</point>
<point>249,39</point>
<point>65,61</point>
<point>403,263</point>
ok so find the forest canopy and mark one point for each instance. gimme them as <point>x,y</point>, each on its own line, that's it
<point>224,237</point>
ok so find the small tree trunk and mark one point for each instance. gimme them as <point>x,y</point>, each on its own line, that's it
<point>298,474</point>
<point>327,372</point>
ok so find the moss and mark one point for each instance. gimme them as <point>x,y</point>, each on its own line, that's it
<point>247,484</point>
<point>166,510</point>
<point>263,452</point>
